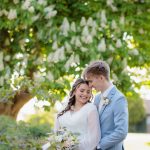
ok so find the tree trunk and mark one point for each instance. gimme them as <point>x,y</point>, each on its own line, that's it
<point>17,103</point>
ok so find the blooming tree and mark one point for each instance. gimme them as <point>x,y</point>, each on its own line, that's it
<point>43,44</point>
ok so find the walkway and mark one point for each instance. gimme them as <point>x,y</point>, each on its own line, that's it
<point>137,141</point>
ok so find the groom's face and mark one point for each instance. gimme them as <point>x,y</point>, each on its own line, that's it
<point>95,81</point>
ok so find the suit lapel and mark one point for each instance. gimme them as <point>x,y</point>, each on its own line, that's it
<point>102,110</point>
<point>110,96</point>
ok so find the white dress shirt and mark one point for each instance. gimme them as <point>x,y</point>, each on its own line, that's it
<point>104,94</point>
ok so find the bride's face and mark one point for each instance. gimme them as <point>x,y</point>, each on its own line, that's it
<point>82,93</point>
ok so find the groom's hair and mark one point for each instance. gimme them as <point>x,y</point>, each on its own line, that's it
<point>97,68</point>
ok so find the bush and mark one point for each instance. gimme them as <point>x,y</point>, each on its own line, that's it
<point>16,136</point>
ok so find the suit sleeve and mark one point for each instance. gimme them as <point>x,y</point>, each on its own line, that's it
<point>121,125</point>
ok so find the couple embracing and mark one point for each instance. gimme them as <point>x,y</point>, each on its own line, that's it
<point>103,124</point>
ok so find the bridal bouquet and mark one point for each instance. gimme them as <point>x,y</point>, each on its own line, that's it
<point>62,140</point>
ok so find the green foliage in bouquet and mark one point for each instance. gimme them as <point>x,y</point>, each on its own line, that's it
<point>21,136</point>
<point>61,140</point>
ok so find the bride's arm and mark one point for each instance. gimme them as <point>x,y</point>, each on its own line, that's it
<point>56,124</point>
<point>92,138</point>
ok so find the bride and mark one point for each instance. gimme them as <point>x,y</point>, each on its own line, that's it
<point>81,116</point>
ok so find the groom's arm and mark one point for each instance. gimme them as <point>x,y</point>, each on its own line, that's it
<point>121,125</point>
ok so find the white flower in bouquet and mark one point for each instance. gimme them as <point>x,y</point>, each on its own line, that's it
<point>63,139</point>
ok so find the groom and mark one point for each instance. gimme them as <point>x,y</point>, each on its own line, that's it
<point>112,106</point>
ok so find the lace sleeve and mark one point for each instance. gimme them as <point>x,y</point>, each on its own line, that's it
<point>92,138</point>
<point>56,124</point>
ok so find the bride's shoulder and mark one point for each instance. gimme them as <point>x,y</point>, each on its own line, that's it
<point>91,106</point>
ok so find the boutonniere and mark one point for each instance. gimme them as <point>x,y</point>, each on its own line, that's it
<point>106,101</point>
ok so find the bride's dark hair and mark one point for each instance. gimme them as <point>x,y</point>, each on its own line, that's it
<point>71,101</point>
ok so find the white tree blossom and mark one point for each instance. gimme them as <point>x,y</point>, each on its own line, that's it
<point>65,27</point>
<point>84,49</point>
<point>7,58</point>
<point>73,27</point>
<point>109,60</point>
<point>90,22</point>
<point>102,45</point>
<point>73,39</point>
<point>3,12</point>
<point>57,55</point>
<point>77,59</point>
<point>93,32</point>
<point>109,2</point>
<point>85,31</point>
<point>8,73</point>
<point>94,25</point>
<point>141,31</point>
<point>50,12</point>
<point>111,48</point>
<point>87,39</point>
<point>118,43</point>
<point>103,18</point>
<point>69,62</point>
<point>12,14</point>
<point>34,18</point>
<point>1,81</point>
<point>26,4</point>
<point>31,9</point>
<point>68,47</point>
<point>1,61</point>
<point>115,78</point>
<point>42,2</point>
<point>7,42</point>
<point>83,21</point>
<point>73,60</point>
<point>124,63</point>
<point>111,5</point>
<point>55,45</point>
<point>114,8</point>
<point>77,42</point>
<point>16,1</point>
<point>122,20</point>
<point>113,24</point>
<point>98,15</point>
<point>134,52</point>
<point>37,76</point>
<point>50,76</point>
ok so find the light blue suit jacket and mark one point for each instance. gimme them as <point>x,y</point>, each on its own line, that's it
<point>113,120</point>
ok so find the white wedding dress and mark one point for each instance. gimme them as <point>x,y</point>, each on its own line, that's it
<point>85,122</point>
